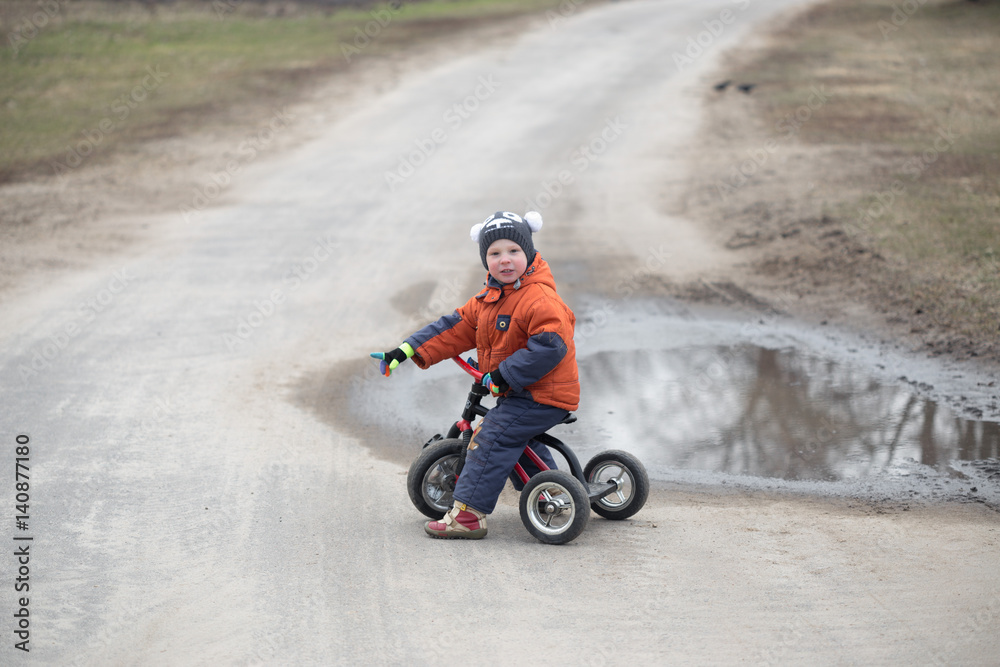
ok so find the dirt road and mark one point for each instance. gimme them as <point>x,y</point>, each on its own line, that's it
<point>199,495</point>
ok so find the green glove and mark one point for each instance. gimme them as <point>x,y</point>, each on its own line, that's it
<point>389,360</point>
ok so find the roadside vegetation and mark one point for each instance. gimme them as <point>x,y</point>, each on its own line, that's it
<point>915,84</point>
<point>79,79</point>
<point>912,85</point>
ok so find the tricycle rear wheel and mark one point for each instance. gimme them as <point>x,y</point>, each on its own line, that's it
<point>432,477</point>
<point>630,476</point>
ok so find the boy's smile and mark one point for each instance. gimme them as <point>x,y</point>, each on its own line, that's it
<point>506,261</point>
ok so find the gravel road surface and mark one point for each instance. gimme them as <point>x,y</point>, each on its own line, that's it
<point>188,506</point>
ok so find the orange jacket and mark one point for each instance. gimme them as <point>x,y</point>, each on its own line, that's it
<point>524,330</point>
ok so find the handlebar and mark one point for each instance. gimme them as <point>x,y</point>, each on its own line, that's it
<point>467,367</point>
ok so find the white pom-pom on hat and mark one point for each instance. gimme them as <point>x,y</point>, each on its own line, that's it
<point>476,231</point>
<point>534,220</point>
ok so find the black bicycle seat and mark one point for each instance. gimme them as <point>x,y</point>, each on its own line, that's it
<point>569,419</point>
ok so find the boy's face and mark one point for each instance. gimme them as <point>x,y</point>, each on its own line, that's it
<point>506,261</point>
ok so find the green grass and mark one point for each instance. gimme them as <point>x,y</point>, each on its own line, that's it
<point>894,86</point>
<point>85,74</point>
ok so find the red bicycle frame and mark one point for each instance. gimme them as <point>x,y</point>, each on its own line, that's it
<point>473,408</point>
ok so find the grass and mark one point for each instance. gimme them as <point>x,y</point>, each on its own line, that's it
<point>920,85</point>
<point>88,78</point>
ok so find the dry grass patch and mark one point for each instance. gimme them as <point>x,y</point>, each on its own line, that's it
<point>79,80</point>
<point>914,88</point>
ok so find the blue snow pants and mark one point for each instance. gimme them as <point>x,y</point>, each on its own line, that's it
<point>498,444</point>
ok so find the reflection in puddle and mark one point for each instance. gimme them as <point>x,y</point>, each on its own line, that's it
<point>746,410</point>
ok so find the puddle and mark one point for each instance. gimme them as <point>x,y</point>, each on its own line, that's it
<point>775,413</point>
<point>722,401</point>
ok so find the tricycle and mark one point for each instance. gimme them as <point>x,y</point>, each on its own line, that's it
<point>554,504</point>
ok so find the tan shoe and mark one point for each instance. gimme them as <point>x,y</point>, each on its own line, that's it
<point>461,522</point>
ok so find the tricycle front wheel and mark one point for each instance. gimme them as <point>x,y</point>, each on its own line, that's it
<point>432,477</point>
<point>554,507</point>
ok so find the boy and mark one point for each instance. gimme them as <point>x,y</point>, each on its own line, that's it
<point>523,335</point>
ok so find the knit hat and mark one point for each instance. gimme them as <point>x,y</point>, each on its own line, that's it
<point>511,226</point>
